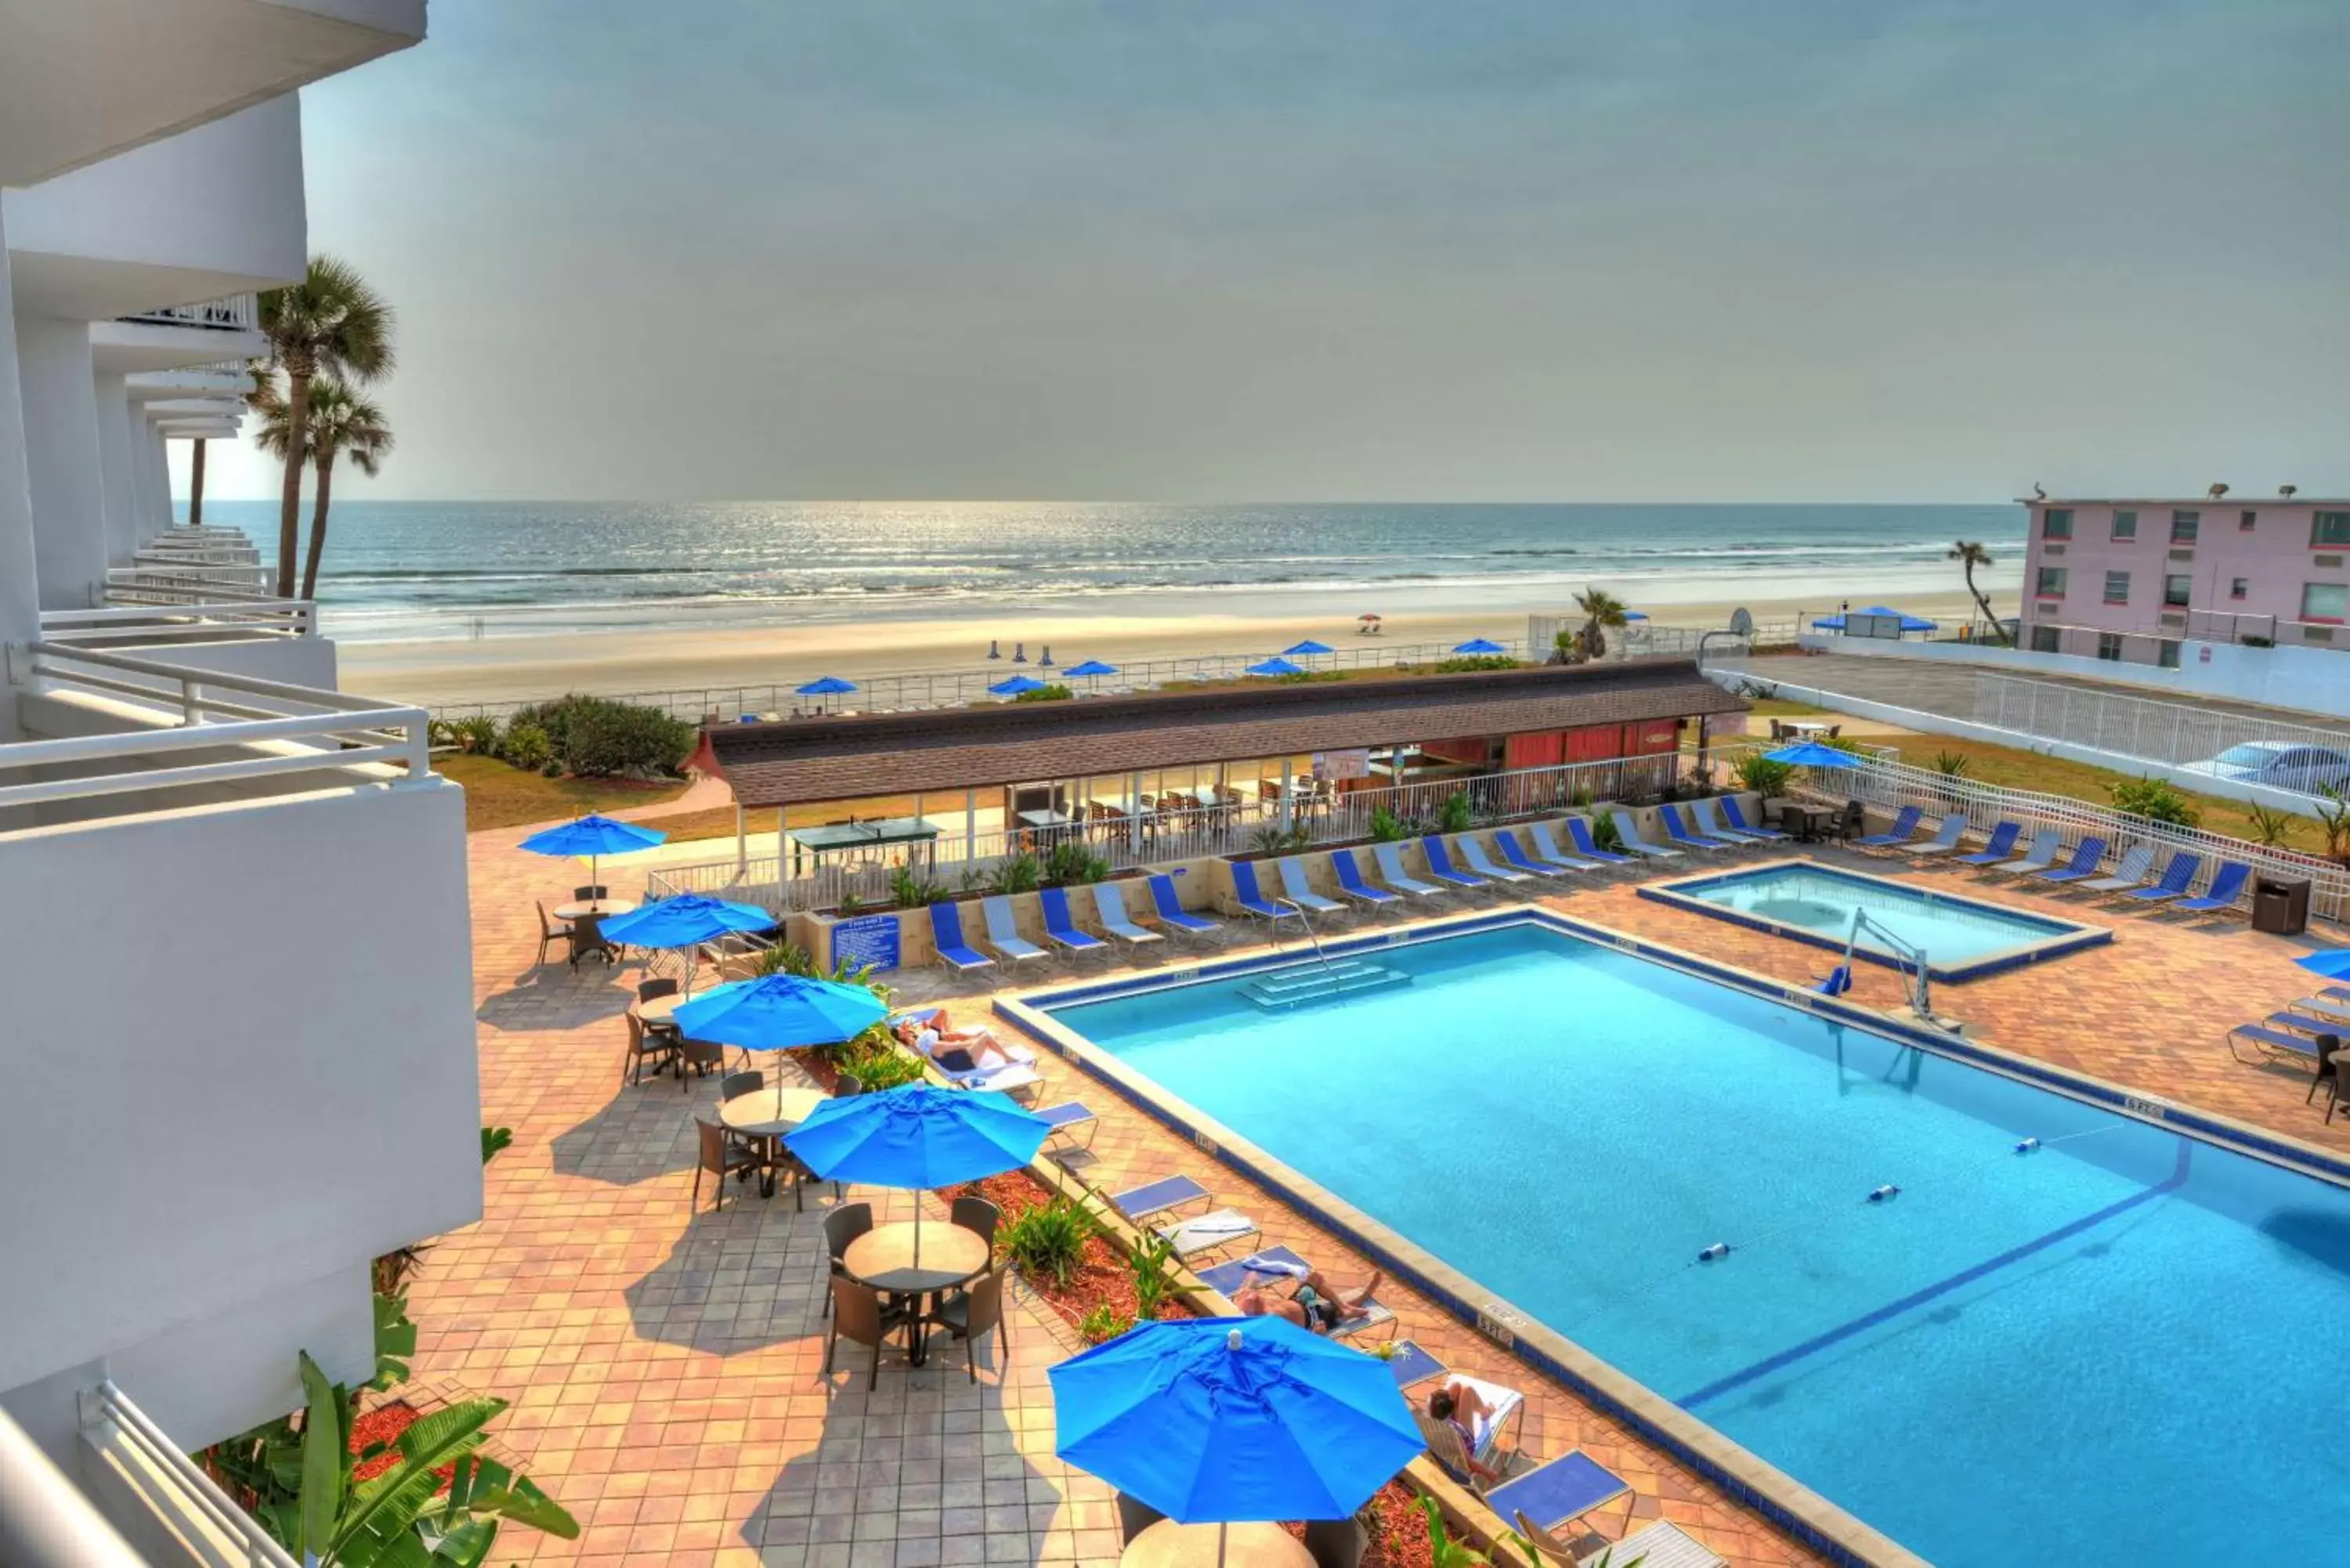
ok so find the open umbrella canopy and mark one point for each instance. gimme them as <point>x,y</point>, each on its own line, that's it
<point>1479,645</point>
<point>685,919</point>
<point>1308,650</point>
<point>918,1136</point>
<point>592,835</point>
<point>1227,1419</point>
<point>778,1011</point>
<point>1908,622</point>
<point>2332,962</point>
<point>1812,754</point>
<point>826,686</point>
<point>1091,668</point>
<point>1015,685</point>
<point>1275,667</point>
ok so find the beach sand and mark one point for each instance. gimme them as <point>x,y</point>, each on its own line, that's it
<point>614,663</point>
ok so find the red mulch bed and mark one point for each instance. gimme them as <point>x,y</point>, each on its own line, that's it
<point>1397,1528</point>
<point>383,1425</point>
<point>1102,1276</point>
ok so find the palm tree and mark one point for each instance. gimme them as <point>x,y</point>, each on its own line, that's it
<point>331,324</point>
<point>1601,611</point>
<point>1968,554</point>
<point>339,425</point>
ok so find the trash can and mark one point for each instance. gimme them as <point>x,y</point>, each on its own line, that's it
<point>2280,905</point>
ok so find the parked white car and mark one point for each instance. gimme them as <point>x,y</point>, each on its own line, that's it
<point>2280,764</point>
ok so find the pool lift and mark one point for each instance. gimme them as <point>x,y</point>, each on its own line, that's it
<point>1908,957</point>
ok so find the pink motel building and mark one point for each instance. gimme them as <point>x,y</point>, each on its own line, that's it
<point>2132,579</point>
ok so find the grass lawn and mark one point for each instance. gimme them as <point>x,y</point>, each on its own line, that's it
<point>499,796</point>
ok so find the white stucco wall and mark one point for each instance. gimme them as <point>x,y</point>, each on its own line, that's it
<point>2312,680</point>
<point>60,426</point>
<point>20,613</point>
<point>240,1062</point>
<point>116,499</point>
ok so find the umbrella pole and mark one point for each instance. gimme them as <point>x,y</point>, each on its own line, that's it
<point>1221,1529</point>
<point>917,1230</point>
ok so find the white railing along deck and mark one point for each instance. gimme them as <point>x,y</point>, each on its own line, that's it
<point>2173,734</point>
<point>45,1520</point>
<point>176,621</point>
<point>188,1503</point>
<point>195,715</point>
<point>167,584</point>
<point>232,313</point>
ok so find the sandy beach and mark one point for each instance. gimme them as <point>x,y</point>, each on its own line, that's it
<point>507,669</point>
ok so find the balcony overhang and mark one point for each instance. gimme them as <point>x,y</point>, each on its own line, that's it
<point>134,346</point>
<point>84,81</point>
<point>196,430</point>
<point>163,386</point>
<point>93,288</point>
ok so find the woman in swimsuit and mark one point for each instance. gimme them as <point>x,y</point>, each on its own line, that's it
<point>1462,1409</point>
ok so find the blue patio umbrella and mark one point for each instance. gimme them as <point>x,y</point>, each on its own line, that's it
<point>1013,686</point>
<point>1218,1420</point>
<point>1908,622</point>
<point>1308,650</point>
<point>1812,754</point>
<point>1479,645</point>
<point>594,836</point>
<point>685,921</point>
<point>1275,667</point>
<point>918,1136</point>
<point>826,686</point>
<point>1636,615</point>
<point>1090,669</point>
<point>2332,962</point>
<point>778,1011</point>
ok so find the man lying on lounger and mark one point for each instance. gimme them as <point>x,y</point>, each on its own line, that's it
<point>1311,1302</point>
<point>958,1050</point>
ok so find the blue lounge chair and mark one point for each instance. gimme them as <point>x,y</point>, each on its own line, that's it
<point>2176,877</point>
<point>1301,893</point>
<point>1153,1197</point>
<point>1628,833</point>
<point>1390,861</point>
<point>1061,931</point>
<point>1555,1494</point>
<point>2271,1043</point>
<point>1507,843</point>
<point>1440,867</point>
<point>1482,863</point>
<point>1946,835</point>
<point>1411,1365</point>
<point>1736,815</point>
<point>1705,816</point>
<point>1547,847</point>
<point>1905,823</point>
<point>2086,857</point>
<point>1578,833</point>
<point>946,935</point>
<point>2227,887</point>
<point>1998,848</point>
<point>1252,901</point>
<point>2130,873</point>
<point>1271,1266</point>
<point>2041,856</point>
<point>1681,832</point>
<point>1351,883</point>
<point>1171,913</point>
<point>1003,933</point>
<point>1109,913</point>
<point>1069,1121</point>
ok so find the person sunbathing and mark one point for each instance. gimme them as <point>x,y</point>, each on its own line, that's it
<point>960,1050</point>
<point>1311,1303</point>
<point>1460,1405</point>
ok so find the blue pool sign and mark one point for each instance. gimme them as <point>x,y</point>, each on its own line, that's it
<point>869,939</point>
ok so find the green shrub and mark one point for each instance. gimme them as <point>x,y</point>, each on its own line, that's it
<point>1102,1324</point>
<point>1273,840</point>
<point>2271,829</point>
<point>1764,776</point>
<point>1456,814</point>
<point>478,733</point>
<point>1603,834</point>
<point>1048,1238</point>
<point>596,736</point>
<point>1468,661</point>
<point>886,1068</point>
<point>912,891</point>
<point>1073,862</point>
<point>1018,875</point>
<point>1953,764</point>
<point>2156,800</point>
<point>1386,826</point>
<point>525,746</point>
<point>1047,693</point>
<point>1149,1260</point>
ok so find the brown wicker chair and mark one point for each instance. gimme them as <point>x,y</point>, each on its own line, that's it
<point>859,1316</point>
<point>702,1055</point>
<point>745,1083</point>
<point>550,931</point>
<point>587,939</point>
<point>722,1157</point>
<point>594,893</point>
<point>841,1227</point>
<point>645,1046</point>
<point>649,988</point>
<point>970,1315</point>
<point>976,1214</point>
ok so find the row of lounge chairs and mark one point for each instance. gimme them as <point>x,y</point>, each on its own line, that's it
<point>2043,860</point>
<point>2306,1034</point>
<point>1116,926</point>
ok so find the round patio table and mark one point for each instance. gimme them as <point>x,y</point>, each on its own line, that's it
<point>1168,1544</point>
<point>660,1009</point>
<point>884,1258</point>
<point>602,908</point>
<point>766,1114</point>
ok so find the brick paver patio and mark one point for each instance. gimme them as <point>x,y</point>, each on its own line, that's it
<point>664,1367</point>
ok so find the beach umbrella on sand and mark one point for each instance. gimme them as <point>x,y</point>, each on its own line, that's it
<point>826,686</point>
<point>1275,667</point>
<point>994,650</point>
<point>1478,645</point>
<point>1045,660</point>
<point>1019,653</point>
<point>919,1136</point>
<point>1091,669</point>
<point>1812,754</point>
<point>1015,685</point>
<point>593,836</point>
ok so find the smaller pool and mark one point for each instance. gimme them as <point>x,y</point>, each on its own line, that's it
<point>1963,938</point>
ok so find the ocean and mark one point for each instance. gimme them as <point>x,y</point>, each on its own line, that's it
<point>402,570</point>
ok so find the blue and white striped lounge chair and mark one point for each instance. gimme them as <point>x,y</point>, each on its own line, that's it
<point>946,935</point>
<point>1440,867</point>
<point>1997,847</point>
<point>1578,833</point>
<point>1171,913</point>
<point>1482,863</point>
<point>1736,815</point>
<point>1511,851</point>
<point>2041,856</point>
<point>1946,835</point>
<point>1109,913</point>
<point>1547,847</point>
<point>1061,929</point>
<point>1003,934</point>
<point>2176,877</point>
<point>1301,892</point>
<point>2227,887</point>
<point>1628,833</point>
<point>1272,1265</point>
<point>1252,901</point>
<point>1679,832</point>
<point>2130,873</point>
<point>1155,1198</point>
<point>1557,1492</point>
<point>2086,857</point>
<point>1351,883</point>
<point>1905,823</point>
<point>1390,862</point>
<point>1705,816</point>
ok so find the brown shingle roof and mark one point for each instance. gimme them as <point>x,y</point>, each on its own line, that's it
<point>954,748</point>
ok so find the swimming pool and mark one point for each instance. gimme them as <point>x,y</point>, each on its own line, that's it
<point>2111,1349</point>
<point>1963,938</point>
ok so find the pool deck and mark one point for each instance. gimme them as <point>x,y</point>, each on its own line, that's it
<point>664,1373</point>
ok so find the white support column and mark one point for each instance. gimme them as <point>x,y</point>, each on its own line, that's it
<point>1284,794</point>
<point>118,489</point>
<point>53,372</point>
<point>20,613</point>
<point>155,489</point>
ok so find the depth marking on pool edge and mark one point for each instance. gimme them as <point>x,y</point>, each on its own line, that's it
<point>1867,1319</point>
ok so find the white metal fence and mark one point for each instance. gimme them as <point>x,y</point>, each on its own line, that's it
<point>183,1500</point>
<point>2168,733</point>
<point>192,618</point>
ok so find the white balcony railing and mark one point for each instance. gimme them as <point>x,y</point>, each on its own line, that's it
<point>146,1465</point>
<point>197,583</point>
<point>179,619</point>
<point>45,1521</point>
<point>233,313</point>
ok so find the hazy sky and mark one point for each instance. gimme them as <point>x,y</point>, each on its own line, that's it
<point>1272,250</point>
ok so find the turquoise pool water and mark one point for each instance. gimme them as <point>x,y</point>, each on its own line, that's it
<point>1961,936</point>
<point>2124,1349</point>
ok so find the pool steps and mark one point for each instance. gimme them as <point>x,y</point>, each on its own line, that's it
<point>1318,983</point>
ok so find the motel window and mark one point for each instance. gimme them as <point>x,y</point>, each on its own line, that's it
<point>2244,521</point>
<point>2109,646</point>
<point>2238,588</point>
<point>2047,639</point>
<point>2331,531</point>
<point>2166,653</point>
<point>2125,525</point>
<point>2056,522</point>
<point>2175,589</point>
<point>2325,601</point>
<point>2184,526</point>
<point>2051,583</point>
<point>2117,587</point>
